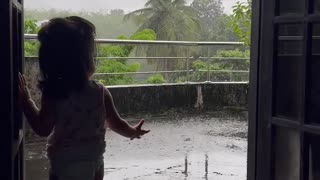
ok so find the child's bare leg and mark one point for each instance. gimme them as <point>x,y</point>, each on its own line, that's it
<point>99,174</point>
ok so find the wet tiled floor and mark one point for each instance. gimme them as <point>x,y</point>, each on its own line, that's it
<point>190,147</point>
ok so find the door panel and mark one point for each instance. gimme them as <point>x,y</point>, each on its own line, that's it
<point>287,154</point>
<point>287,71</point>
<point>291,7</point>
<point>288,124</point>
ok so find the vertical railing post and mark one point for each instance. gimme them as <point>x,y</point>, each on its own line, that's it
<point>208,62</point>
<point>188,63</point>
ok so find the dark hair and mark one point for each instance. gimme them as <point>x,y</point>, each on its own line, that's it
<point>66,55</point>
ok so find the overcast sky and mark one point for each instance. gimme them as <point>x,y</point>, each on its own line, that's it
<point>96,5</point>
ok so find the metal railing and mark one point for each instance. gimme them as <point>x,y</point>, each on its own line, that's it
<point>156,42</point>
<point>186,44</point>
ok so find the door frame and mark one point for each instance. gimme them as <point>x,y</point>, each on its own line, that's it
<point>11,62</point>
<point>260,91</point>
<point>254,126</point>
<point>262,120</point>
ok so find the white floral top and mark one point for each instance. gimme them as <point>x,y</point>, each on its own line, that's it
<point>79,124</point>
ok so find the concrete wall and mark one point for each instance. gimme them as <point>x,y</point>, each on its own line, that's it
<point>31,71</point>
<point>185,97</point>
<point>152,99</point>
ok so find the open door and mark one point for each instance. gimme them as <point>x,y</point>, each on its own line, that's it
<point>284,130</point>
<point>11,124</point>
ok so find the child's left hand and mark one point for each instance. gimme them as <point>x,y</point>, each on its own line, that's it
<point>139,132</point>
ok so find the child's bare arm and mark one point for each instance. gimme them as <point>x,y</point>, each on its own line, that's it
<point>119,125</point>
<point>41,121</point>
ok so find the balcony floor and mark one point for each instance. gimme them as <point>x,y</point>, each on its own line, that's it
<point>207,146</point>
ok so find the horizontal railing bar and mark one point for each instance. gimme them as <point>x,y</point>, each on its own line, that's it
<point>290,38</point>
<point>149,72</point>
<point>143,57</point>
<point>221,58</point>
<point>296,38</point>
<point>155,42</point>
<point>181,83</point>
<point>284,55</point>
<point>190,43</point>
<point>30,36</point>
<point>228,58</point>
<point>180,71</point>
<point>226,71</point>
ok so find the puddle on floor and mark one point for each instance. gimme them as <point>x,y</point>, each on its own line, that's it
<point>189,148</point>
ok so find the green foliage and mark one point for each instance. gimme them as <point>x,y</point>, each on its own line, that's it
<point>214,24</point>
<point>30,26</point>
<point>221,31</point>
<point>156,79</point>
<point>200,68</point>
<point>125,50</point>
<point>199,71</point>
<point>162,20</point>
<point>30,47</point>
<point>146,34</point>
<point>208,9</point>
<point>198,64</point>
<point>241,21</point>
<point>108,65</point>
<point>235,64</point>
<point>113,50</point>
<point>113,66</point>
<point>233,53</point>
<point>241,64</point>
<point>170,19</point>
<point>225,64</point>
<point>208,12</point>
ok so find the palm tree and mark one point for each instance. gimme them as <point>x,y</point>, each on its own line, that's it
<point>171,20</point>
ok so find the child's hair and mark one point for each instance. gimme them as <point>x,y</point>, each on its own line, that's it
<point>66,55</point>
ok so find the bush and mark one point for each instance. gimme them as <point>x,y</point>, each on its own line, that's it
<point>120,65</point>
<point>31,47</point>
<point>114,66</point>
<point>233,53</point>
<point>198,64</point>
<point>200,67</point>
<point>235,64</point>
<point>156,79</point>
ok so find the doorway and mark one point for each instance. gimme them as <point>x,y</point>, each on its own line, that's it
<point>285,91</point>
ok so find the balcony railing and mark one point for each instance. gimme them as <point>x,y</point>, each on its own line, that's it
<point>185,73</point>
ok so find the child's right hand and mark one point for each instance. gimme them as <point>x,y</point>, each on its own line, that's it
<point>24,93</point>
<point>139,131</point>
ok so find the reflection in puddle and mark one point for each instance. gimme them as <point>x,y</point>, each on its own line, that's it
<point>205,167</point>
<point>192,167</point>
<point>186,166</point>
